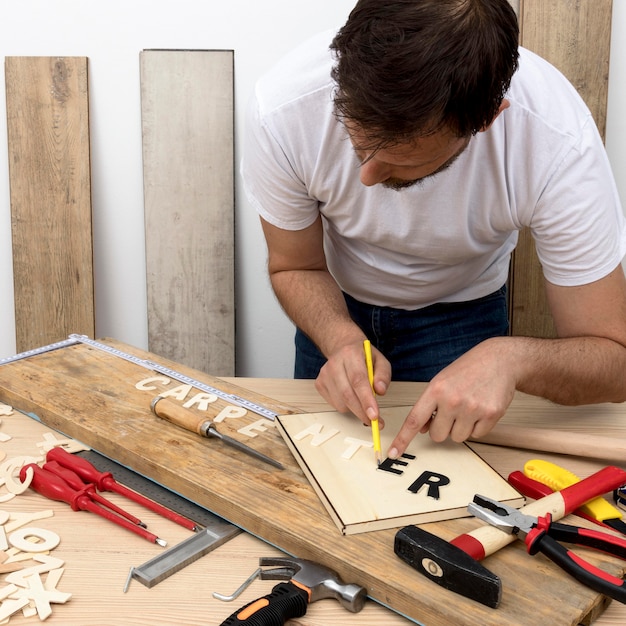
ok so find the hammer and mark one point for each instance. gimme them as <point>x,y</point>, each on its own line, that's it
<point>307,582</point>
<point>455,565</point>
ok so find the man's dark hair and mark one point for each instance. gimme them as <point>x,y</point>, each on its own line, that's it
<point>407,68</point>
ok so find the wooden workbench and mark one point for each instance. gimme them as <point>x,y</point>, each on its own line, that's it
<point>99,556</point>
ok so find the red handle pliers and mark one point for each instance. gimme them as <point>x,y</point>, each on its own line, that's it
<point>542,535</point>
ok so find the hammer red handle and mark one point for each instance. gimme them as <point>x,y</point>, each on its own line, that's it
<point>536,490</point>
<point>287,600</point>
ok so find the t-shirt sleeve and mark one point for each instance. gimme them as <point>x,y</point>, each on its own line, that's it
<point>271,183</point>
<point>578,224</point>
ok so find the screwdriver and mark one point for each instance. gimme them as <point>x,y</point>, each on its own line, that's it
<point>54,487</point>
<point>172,412</point>
<point>76,482</point>
<point>104,481</point>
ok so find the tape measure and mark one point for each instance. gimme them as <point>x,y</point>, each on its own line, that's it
<point>36,351</point>
<point>156,367</point>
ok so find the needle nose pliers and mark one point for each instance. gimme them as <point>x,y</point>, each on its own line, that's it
<point>540,534</point>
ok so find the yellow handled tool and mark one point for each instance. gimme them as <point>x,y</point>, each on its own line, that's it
<point>558,478</point>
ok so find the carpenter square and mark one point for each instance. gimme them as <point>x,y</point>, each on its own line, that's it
<point>171,561</point>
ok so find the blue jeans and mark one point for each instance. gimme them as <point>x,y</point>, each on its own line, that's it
<point>418,343</point>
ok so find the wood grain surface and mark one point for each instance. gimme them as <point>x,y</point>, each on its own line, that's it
<point>575,37</point>
<point>188,160</point>
<point>336,455</point>
<point>50,181</point>
<point>92,396</point>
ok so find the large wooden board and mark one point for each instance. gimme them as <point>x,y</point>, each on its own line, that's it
<point>103,401</point>
<point>575,37</point>
<point>431,482</point>
<point>49,168</point>
<point>188,148</point>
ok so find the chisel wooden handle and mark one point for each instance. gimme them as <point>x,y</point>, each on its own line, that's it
<point>179,415</point>
<point>486,540</point>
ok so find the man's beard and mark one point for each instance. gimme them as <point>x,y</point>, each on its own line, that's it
<point>398,184</point>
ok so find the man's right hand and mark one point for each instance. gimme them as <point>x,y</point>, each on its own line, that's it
<point>343,382</point>
<point>312,299</point>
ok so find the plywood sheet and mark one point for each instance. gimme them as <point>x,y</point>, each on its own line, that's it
<point>104,401</point>
<point>51,223</point>
<point>187,122</point>
<point>431,482</point>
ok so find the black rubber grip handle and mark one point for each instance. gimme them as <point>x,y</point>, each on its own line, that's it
<point>286,601</point>
<point>581,570</point>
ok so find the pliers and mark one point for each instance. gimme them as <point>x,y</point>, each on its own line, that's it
<point>540,534</point>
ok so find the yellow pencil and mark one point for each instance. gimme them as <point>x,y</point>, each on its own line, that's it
<point>367,347</point>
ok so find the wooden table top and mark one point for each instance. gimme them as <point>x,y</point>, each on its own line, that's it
<point>98,555</point>
<point>608,420</point>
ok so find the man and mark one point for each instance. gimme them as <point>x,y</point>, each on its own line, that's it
<point>392,174</point>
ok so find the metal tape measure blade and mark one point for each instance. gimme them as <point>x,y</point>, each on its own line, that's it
<point>166,371</point>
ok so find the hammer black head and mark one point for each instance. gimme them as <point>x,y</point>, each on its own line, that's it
<point>448,565</point>
<point>321,581</point>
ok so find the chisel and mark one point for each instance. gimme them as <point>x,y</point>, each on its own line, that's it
<point>178,415</point>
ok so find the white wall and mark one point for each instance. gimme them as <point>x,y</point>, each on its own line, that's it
<point>111,34</point>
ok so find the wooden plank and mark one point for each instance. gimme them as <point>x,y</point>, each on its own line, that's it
<point>431,482</point>
<point>49,168</point>
<point>575,37</point>
<point>187,121</point>
<point>103,401</point>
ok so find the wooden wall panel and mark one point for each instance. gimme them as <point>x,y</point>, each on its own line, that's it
<point>51,221</point>
<point>187,120</point>
<point>574,35</point>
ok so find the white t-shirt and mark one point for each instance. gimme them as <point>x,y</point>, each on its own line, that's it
<point>541,164</point>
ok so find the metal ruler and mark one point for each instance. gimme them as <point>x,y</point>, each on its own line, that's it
<point>36,351</point>
<point>161,369</point>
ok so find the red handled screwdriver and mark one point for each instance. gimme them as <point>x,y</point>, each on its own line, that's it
<point>54,487</point>
<point>76,482</point>
<point>104,481</point>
